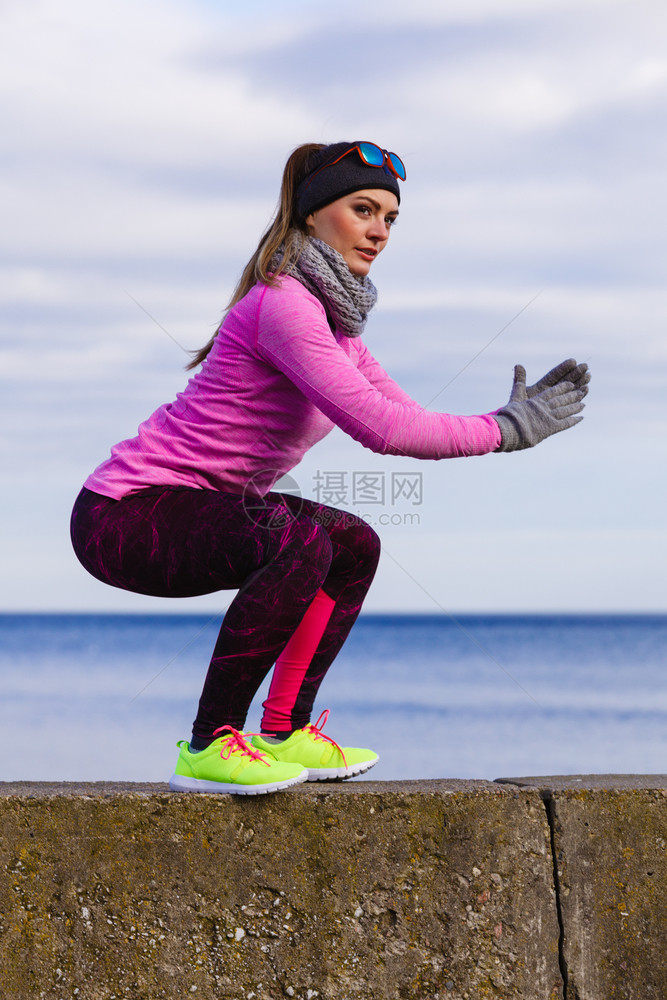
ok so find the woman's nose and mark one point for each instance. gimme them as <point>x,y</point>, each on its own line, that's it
<point>379,229</point>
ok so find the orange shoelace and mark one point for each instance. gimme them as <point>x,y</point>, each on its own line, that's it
<point>316,732</point>
<point>237,743</point>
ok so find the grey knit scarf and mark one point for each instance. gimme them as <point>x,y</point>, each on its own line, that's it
<point>347,298</point>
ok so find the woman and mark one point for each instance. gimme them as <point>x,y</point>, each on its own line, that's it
<point>186,507</point>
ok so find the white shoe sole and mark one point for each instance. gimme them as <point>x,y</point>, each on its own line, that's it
<point>180,783</point>
<point>340,773</point>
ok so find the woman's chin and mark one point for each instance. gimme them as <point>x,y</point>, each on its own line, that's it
<point>359,268</point>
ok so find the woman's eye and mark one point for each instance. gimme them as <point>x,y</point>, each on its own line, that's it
<point>391,221</point>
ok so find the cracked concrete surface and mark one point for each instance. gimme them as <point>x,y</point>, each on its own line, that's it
<point>609,846</point>
<point>523,888</point>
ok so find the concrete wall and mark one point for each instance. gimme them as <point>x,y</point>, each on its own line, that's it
<point>431,889</point>
<point>609,835</point>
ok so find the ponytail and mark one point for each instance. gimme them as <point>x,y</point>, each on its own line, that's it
<point>285,230</point>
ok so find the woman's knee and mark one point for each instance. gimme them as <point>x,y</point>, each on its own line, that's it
<point>354,542</point>
<point>367,545</point>
<point>357,536</point>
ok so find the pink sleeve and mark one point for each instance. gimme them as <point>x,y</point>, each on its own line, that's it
<point>377,376</point>
<point>293,335</point>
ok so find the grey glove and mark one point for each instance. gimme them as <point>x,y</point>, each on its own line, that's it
<point>525,422</point>
<point>567,371</point>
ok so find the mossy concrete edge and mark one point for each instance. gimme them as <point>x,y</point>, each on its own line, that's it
<point>609,841</point>
<point>527,887</point>
<point>359,890</point>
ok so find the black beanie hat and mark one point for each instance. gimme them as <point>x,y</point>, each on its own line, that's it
<point>324,184</point>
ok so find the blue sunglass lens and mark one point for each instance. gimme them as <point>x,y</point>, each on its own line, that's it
<point>397,164</point>
<point>371,153</point>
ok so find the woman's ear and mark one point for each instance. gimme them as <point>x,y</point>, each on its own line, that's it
<point>310,219</point>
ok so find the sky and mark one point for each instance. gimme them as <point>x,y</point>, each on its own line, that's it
<point>143,143</point>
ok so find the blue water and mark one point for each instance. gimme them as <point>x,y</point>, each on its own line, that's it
<point>105,697</point>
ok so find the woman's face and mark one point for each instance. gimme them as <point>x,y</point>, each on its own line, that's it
<point>356,225</point>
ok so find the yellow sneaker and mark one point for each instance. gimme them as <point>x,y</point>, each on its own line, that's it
<point>230,765</point>
<point>319,754</point>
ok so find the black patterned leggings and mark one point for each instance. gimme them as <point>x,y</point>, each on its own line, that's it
<point>279,551</point>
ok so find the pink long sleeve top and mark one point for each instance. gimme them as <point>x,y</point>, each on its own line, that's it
<point>275,382</point>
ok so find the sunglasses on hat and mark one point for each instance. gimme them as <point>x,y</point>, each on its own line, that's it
<point>372,156</point>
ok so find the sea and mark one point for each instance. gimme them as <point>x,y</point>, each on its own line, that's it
<point>105,697</point>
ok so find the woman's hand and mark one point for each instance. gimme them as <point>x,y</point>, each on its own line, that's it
<point>535,412</point>
<point>567,371</point>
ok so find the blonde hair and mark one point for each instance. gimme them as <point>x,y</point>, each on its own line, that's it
<point>285,230</point>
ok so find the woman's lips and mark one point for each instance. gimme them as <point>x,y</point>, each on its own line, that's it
<point>368,252</point>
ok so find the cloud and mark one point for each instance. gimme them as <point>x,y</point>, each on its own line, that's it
<point>142,155</point>
<point>111,81</point>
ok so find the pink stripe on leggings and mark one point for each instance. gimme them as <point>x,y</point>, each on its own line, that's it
<point>292,664</point>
